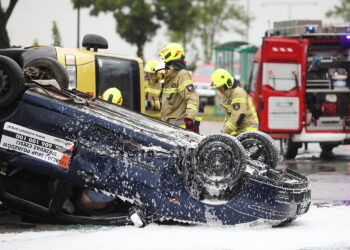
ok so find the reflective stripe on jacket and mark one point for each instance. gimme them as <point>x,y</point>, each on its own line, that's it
<point>240,112</point>
<point>153,92</point>
<point>179,98</point>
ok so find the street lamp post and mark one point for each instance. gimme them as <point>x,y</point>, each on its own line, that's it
<point>247,22</point>
<point>78,23</point>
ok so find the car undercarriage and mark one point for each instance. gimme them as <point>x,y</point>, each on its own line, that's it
<point>55,143</point>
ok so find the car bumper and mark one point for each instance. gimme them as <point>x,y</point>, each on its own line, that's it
<point>320,137</point>
<point>260,198</point>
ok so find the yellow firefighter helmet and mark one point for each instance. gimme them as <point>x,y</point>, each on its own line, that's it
<point>172,51</point>
<point>113,95</point>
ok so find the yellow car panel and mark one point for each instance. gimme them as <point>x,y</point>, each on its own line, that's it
<point>86,70</point>
<point>85,63</point>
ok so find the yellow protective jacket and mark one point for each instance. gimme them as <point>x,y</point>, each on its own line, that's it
<point>240,112</point>
<point>153,91</point>
<point>179,99</point>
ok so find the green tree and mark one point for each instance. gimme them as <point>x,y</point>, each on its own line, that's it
<point>180,17</point>
<point>342,11</point>
<point>56,36</point>
<point>218,16</point>
<point>206,19</point>
<point>136,20</point>
<point>4,17</point>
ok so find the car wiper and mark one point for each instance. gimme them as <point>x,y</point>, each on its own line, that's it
<point>49,86</point>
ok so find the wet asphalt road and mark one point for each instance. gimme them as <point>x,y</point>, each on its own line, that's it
<point>330,179</point>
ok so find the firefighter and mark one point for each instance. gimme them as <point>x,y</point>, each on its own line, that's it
<point>153,89</point>
<point>180,101</point>
<point>113,95</point>
<point>240,112</point>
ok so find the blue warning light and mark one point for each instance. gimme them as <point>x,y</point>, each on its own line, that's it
<point>310,29</point>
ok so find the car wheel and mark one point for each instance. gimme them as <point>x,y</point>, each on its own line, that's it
<point>11,81</point>
<point>288,148</point>
<point>259,147</point>
<point>52,68</point>
<point>219,162</point>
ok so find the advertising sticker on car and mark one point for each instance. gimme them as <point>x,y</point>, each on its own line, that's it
<point>39,145</point>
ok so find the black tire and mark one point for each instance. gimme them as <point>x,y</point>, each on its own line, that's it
<point>219,162</point>
<point>11,81</point>
<point>58,71</point>
<point>260,147</point>
<point>289,149</point>
<point>328,146</point>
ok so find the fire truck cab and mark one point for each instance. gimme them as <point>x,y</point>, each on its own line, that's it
<point>300,85</point>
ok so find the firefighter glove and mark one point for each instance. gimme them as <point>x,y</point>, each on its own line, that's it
<point>189,124</point>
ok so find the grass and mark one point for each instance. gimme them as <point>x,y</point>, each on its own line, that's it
<point>209,114</point>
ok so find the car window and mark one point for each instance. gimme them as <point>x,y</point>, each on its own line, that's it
<point>122,74</point>
<point>204,70</point>
<point>281,76</point>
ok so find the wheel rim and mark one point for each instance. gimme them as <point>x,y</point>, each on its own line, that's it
<point>4,83</point>
<point>255,150</point>
<point>217,165</point>
<point>218,159</point>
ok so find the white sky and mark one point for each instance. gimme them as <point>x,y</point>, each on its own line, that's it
<point>320,228</point>
<point>32,19</point>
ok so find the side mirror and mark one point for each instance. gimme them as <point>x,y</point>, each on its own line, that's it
<point>94,41</point>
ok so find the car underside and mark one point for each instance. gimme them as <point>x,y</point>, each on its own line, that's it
<point>56,143</point>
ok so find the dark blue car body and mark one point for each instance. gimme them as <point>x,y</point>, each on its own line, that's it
<point>138,159</point>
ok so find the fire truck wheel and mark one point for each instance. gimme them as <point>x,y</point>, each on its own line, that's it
<point>288,148</point>
<point>49,68</point>
<point>219,162</point>
<point>259,147</point>
<point>328,146</point>
<point>11,82</point>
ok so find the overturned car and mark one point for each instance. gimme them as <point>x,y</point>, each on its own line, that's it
<point>54,143</point>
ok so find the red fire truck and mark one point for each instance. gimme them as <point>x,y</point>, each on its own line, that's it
<point>300,85</point>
